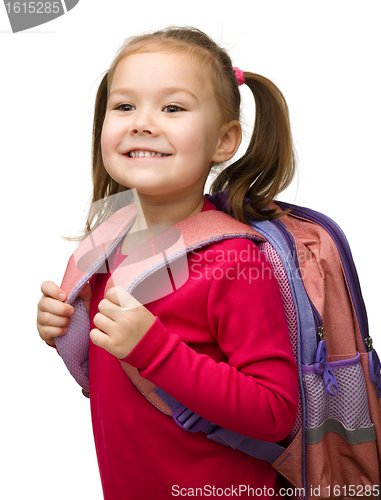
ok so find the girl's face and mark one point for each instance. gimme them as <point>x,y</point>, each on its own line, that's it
<point>162,130</point>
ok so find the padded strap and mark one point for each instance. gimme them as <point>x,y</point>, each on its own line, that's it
<point>91,256</point>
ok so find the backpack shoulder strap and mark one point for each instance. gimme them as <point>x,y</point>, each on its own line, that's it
<point>175,242</point>
<point>195,232</point>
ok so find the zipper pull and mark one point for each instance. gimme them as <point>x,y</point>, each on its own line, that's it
<point>375,371</point>
<point>322,366</point>
<point>374,366</point>
<point>321,332</point>
<point>369,343</point>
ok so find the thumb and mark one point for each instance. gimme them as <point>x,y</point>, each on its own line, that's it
<point>85,294</point>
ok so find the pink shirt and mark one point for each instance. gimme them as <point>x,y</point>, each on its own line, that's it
<point>220,346</point>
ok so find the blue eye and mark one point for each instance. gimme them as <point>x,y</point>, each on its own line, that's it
<point>125,107</point>
<point>172,108</point>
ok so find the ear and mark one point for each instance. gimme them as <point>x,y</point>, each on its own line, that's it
<point>230,140</point>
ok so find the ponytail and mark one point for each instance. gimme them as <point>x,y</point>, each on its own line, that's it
<point>268,166</point>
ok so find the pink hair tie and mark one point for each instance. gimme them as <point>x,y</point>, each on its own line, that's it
<point>239,75</point>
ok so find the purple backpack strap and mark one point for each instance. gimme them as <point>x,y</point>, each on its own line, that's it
<point>191,422</point>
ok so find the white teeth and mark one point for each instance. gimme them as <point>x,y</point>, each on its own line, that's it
<point>142,154</point>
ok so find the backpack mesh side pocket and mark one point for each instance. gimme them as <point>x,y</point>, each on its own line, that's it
<point>340,437</point>
<point>349,406</point>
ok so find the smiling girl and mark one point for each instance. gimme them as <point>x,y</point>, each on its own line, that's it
<point>166,113</point>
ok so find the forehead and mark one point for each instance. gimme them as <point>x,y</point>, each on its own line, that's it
<point>147,71</point>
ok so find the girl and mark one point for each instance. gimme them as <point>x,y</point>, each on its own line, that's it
<point>166,113</point>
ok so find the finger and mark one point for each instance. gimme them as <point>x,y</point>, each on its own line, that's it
<point>47,333</point>
<point>56,307</point>
<point>103,322</point>
<point>100,339</point>
<point>47,318</point>
<point>122,298</point>
<point>50,289</point>
<point>109,309</point>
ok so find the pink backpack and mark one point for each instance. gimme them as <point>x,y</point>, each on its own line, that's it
<point>334,449</point>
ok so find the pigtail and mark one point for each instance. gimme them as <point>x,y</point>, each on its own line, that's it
<point>103,184</point>
<point>99,172</point>
<point>268,166</point>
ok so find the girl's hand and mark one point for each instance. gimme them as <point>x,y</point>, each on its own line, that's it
<point>121,323</point>
<point>53,315</point>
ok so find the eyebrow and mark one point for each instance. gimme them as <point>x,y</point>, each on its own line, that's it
<point>167,91</point>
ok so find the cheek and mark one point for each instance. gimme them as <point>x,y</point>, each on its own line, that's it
<point>110,135</point>
<point>205,135</point>
<point>194,139</point>
<point>108,141</point>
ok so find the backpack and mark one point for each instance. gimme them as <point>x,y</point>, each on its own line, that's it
<point>334,449</point>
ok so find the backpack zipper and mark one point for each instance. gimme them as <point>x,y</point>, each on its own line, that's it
<point>350,272</point>
<point>291,246</point>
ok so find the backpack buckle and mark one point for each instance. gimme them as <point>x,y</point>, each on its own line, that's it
<point>188,420</point>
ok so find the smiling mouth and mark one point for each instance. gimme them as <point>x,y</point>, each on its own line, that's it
<point>144,154</point>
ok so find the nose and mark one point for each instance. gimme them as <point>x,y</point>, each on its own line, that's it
<point>143,123</point>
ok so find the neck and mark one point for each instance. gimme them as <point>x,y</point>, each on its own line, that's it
<point>151,215</point>
<point>152,219</point>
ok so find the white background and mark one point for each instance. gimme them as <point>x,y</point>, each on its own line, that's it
<point>324,56</point>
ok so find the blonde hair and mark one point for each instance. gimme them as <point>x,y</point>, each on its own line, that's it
<point>268,165</point>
